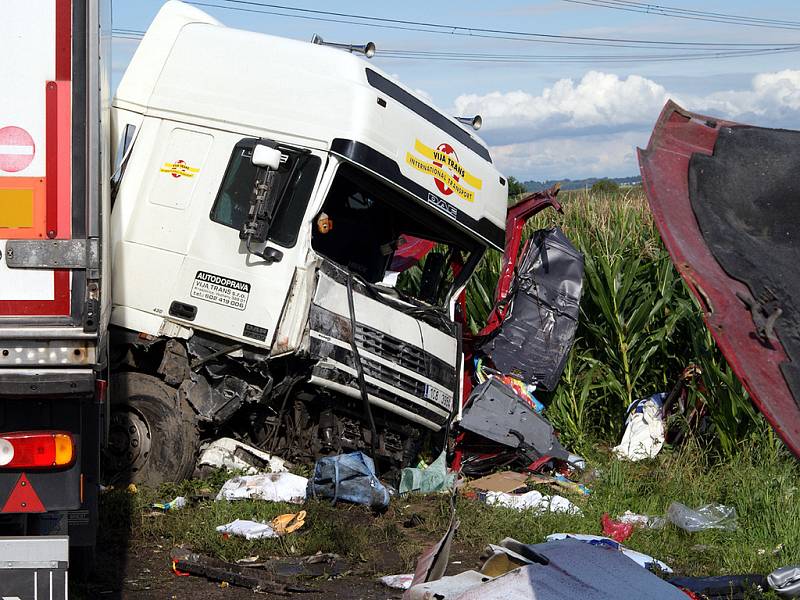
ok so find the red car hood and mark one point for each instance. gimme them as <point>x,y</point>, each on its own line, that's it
<point>726,199</point>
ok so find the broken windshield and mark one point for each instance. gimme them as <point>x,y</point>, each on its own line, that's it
<point>379,234</point>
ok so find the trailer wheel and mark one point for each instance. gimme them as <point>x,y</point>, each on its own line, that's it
<point>152,436</point>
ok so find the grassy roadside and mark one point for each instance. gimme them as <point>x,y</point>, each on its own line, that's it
<point>760,481</point>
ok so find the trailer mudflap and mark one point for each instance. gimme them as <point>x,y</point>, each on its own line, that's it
<point>34,567</point>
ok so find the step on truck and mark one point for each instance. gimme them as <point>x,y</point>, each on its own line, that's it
<point>270,198</point>
<point>54,301</point>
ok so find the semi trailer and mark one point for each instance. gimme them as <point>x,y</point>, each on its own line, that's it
<point>54,297</point>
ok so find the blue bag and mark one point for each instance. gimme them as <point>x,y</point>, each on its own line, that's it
<point>348,477</point>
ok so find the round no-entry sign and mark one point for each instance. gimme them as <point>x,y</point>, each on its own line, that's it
<point>16,149</point>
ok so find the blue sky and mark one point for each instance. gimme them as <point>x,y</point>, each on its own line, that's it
<point>556,120</point>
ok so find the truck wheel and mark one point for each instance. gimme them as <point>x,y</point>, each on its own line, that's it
<point>152,436</point>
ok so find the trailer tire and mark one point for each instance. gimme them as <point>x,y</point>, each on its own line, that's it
<point>153,437</point>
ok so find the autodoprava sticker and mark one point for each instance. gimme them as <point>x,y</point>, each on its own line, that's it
<point>220,290</point>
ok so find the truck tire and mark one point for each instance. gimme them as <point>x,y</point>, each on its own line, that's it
<point>152,436</point>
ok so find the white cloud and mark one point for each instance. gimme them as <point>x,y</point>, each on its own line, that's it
<point>590,127</point>
<point>598,102</point>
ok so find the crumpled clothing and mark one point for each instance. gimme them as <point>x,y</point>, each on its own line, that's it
<point>644,431</point>
<point>533,500</point>
<point>276,487</point>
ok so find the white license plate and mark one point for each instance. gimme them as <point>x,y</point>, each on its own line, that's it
<point>440,397</point>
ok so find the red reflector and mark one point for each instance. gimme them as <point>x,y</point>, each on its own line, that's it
<point>36,450</point>
<point>23,498</point>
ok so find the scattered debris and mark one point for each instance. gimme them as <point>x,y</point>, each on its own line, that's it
<point>708,516</point>
<point>549,571</point>
<point>398,582</point>
<point>533,500</point>
<point>616,530</point>
<point>560,481</point>
<point>176,504</point>
<point>723,587</point>
<point>276,487</point>
<point>289,522</point>
<point>494,411</point>
<point>639,558</point>
<point>641,520</point>
<point>544,297</point>
<point>644,429</point>
<point>185,562</point>
<point>434,478</point>
<point>508,482</point>
<point>786,581</point>
<point>256,530</point>
<point>249,530</point>
<point>237,456</point>
<point>349,477</point>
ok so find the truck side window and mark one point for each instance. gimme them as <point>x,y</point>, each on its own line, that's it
<point>233,200</point>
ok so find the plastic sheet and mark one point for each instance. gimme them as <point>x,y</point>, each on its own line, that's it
<point>639,558</point>
<point>434,478</point>
<point>533,500</point>
<point>277,487</point>
<point>708,516</point>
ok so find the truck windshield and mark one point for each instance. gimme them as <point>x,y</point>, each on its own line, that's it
<point>379,233</point>
<point>233,200</point>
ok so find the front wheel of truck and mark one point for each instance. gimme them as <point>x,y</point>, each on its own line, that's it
<point>152,435</point>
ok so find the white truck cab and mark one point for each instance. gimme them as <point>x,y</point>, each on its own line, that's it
<point>270,196</point>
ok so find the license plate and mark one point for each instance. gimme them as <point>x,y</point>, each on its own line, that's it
<point>440,397</point>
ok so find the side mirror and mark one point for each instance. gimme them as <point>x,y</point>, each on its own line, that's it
<point>264,156</point>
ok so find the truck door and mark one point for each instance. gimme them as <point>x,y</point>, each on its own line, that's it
<point>221,287</point>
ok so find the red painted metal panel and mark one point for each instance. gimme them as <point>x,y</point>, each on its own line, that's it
<point>63,39</point>
<point>51,158</point>
<point>665,166</point>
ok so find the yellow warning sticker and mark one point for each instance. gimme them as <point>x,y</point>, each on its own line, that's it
<point>448,173</point>
<point>179,169</point>
<point>16,208</point>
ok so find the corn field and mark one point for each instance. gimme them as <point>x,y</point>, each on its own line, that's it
<point>640,327</point>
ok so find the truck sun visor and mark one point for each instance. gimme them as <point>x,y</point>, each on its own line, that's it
<point>536,336</point>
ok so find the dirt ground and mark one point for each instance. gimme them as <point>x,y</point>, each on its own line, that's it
<point>144,573</point>
<point>139,567</point>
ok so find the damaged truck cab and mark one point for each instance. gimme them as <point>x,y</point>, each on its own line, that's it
<point>270,196</point>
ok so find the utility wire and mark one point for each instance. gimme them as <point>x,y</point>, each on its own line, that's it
<point>456,30</point>
<point>478,57</point>
<point>703,12</point>
<point>691,15</point>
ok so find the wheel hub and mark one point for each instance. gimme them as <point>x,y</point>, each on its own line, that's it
<point>128,441</point>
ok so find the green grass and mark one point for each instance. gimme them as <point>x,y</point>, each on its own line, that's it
<point>760,481</point>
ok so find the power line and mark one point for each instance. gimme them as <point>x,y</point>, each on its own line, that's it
<point>483,57</point>
<point>459,30</point>
<point>611,59</point>
<point>688,14</point>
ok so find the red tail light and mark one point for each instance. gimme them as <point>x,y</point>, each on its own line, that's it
<point>36,450</point>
